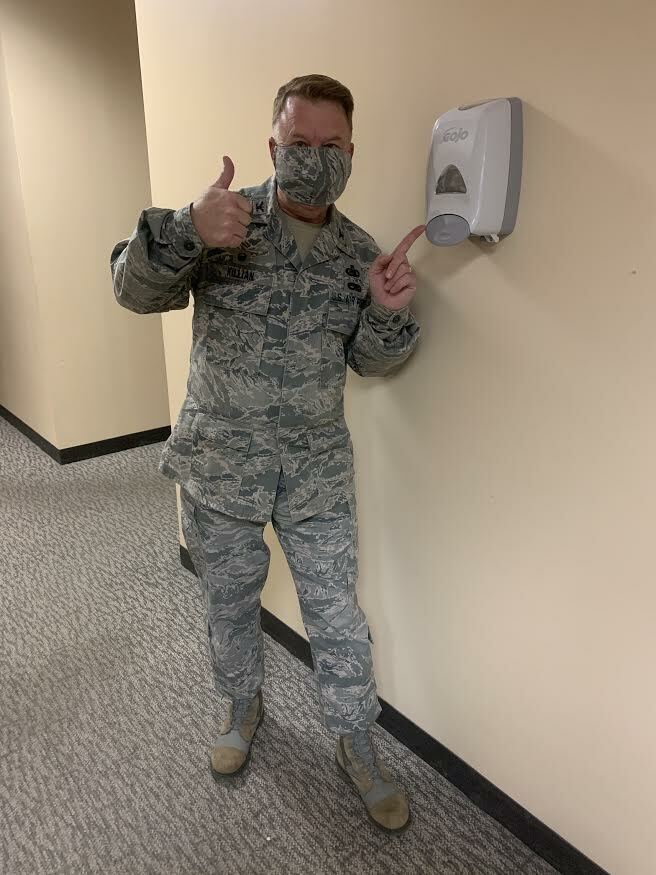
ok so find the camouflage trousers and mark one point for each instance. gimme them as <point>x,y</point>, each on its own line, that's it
<point>232,561</point>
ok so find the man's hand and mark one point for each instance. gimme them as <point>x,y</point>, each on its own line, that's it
<point>392,281</point>
<point>221,217</point>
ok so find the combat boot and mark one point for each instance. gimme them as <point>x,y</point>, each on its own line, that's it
<point>231,751</point>
<point>386,803</point>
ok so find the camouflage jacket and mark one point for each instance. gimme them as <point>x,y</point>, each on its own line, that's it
<point>271,340</point>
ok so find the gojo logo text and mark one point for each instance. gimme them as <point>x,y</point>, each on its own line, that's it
<point>454,135</point>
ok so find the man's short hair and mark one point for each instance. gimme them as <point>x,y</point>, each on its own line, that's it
<point>315,87</point>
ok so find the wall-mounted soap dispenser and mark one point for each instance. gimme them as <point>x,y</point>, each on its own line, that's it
<point>474,172</point>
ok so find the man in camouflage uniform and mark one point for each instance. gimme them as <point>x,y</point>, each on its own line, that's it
<point>287,292</point>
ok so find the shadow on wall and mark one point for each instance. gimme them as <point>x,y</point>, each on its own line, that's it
<point>581,206</point>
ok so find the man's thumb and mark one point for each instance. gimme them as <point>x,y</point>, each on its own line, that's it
<point>381,263</point>
<point>227,174</point>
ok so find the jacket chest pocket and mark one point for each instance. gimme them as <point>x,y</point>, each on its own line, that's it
<point>343,316</point>
<point>237,308</point>
<point>342,320</point>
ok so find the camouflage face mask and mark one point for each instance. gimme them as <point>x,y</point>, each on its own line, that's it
<point>313,175</point>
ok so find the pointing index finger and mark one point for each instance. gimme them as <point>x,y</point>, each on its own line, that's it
<point>402,249</point>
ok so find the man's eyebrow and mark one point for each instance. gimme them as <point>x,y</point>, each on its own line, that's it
<point>302,136</point>
<point>335,139</point>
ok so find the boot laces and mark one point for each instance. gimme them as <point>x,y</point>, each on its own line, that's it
<point>364,750</point>
<point>239,711</point>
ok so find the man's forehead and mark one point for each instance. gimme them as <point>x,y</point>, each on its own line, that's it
<point>299,112</point>
<point>305,127</point>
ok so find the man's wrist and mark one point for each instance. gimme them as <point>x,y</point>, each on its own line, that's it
<point>386,316</point>
<point>185,238</point>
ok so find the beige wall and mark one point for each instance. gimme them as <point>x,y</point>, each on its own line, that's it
<point>23,380</point>
<point>74,99</point>
<point>506,476</point>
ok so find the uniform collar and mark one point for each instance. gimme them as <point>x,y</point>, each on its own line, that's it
<point>267,212</point>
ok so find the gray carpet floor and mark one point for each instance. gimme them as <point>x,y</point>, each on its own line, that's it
<point>107,709</point>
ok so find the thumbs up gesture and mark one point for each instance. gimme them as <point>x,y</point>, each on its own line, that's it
<point>221,216</point>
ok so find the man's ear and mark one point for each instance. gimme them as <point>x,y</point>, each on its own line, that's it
<point>351,149</point>
<point>272,149</point>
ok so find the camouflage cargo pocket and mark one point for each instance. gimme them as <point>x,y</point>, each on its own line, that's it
<point>176,455</point>
<point>218,457</point>
<point>331,457</point>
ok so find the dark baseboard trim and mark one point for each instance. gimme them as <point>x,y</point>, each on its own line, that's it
<point>87,451</point>
<point>290,640</point>
<point>537,836</point>
<point>114,445</point>
<point>185,558</point>
<point>34,436</point>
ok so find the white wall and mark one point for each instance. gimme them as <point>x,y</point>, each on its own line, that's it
<point>506,476</point>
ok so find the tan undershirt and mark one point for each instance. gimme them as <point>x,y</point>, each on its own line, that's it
<point>304,233</point>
